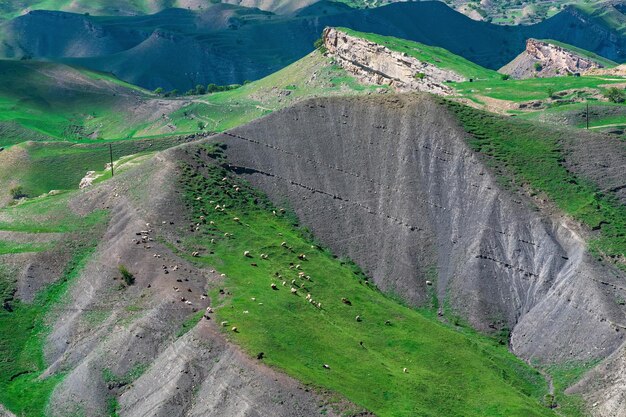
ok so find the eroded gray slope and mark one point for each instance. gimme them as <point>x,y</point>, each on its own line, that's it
<point>391,183</point>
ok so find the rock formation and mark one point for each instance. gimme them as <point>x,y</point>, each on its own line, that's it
<point>372,63</point>
<point>543,59</point>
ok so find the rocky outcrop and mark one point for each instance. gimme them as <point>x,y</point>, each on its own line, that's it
<point>543,59</point>
<point>376,64</point>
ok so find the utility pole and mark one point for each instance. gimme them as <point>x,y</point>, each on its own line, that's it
<point>587,118</point>
<point>111,156</point>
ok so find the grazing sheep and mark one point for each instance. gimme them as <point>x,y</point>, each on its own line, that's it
<point>209,310</point>
<point>298,266</point>
<point>195,254</point>
<point>284,283</point>
<point>387,322</point>
<point>429,283</point>
<point>319,305</point>
<point>294,291</point>
<point>300,274</point>
<point>253,298</point>
<point>308,296</point>
<point>227,234</point>
<point>405,370</point>
<point>236,219</point>
<point>224,179</point>
<point>274,212</point>
<point>237,189</point>
<point>247,254</point>
<point>302,257</point>
<point>293,282</point>
<point>212,223</point>
<point>326,366</point>
<point>346,301</point>
<point>283,244</point>
<point>234,329</point>
<point>274,287</point>
<point>224,323</point>
<point>358,318</point>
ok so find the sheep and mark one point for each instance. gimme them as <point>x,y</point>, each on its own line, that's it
<point>247,254</point>
<point>227,234</point>
<point>404,370</point>
<point>358,318</point>
<point>294,291</point>
<point>284,283</point>
<point>293,282</point>
<point>283,244</point>
<point>326,366</point>
<point>234,329</point>
<point>274,287</point>
<point>224,323</point>
<point>223,275</point>
<point>224,179</point>
<point>195,254</point>
<point>237,189</point>
<point>298,266</point>
<point>253,298</point>
<point>319,305</point>
<point>301,274</point>
<point>198,198</point>
<point>429,283</point>
<point>346,301</point>
<point>308,296</point>
<point>212,223</point>
<point>209,310</point>
<point>245,312</point>
<point>387,322</point>
<point>302,257</point>
<point>264,256</point>
<point>236,219</point>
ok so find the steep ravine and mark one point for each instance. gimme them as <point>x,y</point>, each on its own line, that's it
<point>391,183</point>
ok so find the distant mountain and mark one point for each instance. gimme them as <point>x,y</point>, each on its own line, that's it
<point>225,44</point>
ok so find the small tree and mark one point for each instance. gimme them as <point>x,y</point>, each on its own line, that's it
<point>538,66</point>
<point>200,125</point>
<point>420,76</point>
<point>127,276</point>
<point>158,91</point>
<point>200,89</point>
<point>615,95</point>
<point>505,77</point>
<point>550,92</point>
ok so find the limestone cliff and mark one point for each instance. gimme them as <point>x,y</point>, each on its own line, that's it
<point>543,59</point>
<point>376,64</point>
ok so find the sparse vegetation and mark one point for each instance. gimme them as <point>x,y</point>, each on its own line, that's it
<point>615,95</point>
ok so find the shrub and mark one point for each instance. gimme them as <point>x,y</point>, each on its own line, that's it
<point>17,192</point>
<point>505,77</point>
<point>319,45</point>
<point>200,89</point>
<point>615,95</point>
<point>127,276</point>
<point>420,76</point>
<point>538,66</point>
<point>158,90</point>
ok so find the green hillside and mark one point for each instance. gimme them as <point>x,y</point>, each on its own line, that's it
<point>449,371</point>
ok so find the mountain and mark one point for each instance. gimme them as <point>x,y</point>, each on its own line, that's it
<point>227,44</point>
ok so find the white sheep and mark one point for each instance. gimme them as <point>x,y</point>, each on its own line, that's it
<point>246,253</point>
<point>294,291</point>
<point>274,287</point>
<point>236,219</point>
<point>234,329</point>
